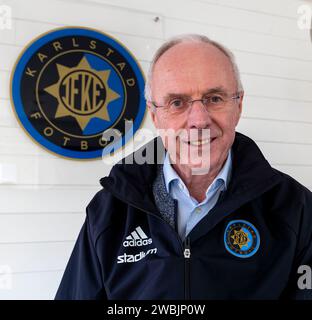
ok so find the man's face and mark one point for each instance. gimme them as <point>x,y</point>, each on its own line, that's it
<point>193,70</point>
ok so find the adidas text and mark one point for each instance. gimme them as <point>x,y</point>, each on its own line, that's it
<point>137,243</point>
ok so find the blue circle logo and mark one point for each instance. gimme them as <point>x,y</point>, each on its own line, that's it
<point>241,238</point>
<point>71,85</point>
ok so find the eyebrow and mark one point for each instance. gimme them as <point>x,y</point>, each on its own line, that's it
<point>218,89</point>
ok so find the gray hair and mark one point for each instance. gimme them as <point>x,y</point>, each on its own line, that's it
<point>189,38</point>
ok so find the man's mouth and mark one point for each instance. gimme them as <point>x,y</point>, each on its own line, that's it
<point>200,142</point>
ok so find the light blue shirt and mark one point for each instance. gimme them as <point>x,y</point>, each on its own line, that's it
<point>190,212</point>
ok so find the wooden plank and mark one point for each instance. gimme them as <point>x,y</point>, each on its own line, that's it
<point>244,40</point>
<point>36,257</point>
<point>252,17</point>
<point>277,88</point>
<point>41,199</point>
<point>8,55</point>
<point>15,141</point>
<point>277,109</point>
<point>56,171</point>
<point>5,85</point>
<point>276,131</point>
<point>36,227</point>
<point>8,35</point>
<point>87,14</point>
<point>282,8</point>
<point>255,63</point>
<point>7,117</point>
<point>285,8</point>
<point>289,154</point>
<point>33,286</point>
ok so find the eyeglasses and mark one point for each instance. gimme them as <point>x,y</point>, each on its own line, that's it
<point>213,102</point>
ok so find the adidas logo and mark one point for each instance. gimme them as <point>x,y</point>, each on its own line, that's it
<point>137,238</point>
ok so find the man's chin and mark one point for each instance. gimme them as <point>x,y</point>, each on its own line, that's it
<point>199,171</point>
<point>201,167</point>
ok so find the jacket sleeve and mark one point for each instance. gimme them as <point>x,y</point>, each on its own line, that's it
<point>82,279</point>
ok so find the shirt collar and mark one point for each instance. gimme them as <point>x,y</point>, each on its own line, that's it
<point>223,176</point>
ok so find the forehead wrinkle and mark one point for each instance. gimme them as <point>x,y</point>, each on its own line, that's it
<point>218,89</point>
<point>169,96</point>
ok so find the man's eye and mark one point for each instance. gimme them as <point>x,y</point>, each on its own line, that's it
<point>216,99</point>
<point>176,103</point>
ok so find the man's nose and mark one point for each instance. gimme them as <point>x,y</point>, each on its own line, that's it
<point>198,116</point>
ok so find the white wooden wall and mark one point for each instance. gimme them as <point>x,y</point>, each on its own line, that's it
<point>42,211</point>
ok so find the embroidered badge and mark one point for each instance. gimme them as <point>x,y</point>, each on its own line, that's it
<point>241,238</point>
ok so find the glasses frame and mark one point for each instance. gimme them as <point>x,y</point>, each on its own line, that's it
<point>234,96</point>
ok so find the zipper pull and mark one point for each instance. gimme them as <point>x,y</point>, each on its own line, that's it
<point>187,248</point>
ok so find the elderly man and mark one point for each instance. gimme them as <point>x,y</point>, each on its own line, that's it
<point>226,227</point>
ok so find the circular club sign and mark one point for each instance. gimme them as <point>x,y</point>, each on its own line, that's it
<point>71,85</point>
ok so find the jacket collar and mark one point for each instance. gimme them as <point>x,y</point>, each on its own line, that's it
<point>251,175</point>
<point>171,177</point>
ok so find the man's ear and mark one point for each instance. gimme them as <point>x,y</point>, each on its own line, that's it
<point>152,111</point>
<point>240,106</point>
<point>241,103</point>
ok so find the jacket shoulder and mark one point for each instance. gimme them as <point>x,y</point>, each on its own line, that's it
<point>294,189</point>
<point>102,212</point>
<point>292,203</point>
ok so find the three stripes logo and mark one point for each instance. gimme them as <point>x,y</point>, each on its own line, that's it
<point>137,238</point>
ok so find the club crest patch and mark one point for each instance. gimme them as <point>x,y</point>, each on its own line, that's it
<point>71,85</point>
<point>241,238</point>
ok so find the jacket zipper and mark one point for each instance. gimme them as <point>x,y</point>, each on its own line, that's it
<point>187,273</point>
<point>186,246</point>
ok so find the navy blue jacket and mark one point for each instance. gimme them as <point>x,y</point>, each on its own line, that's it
<point>125,249</point>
